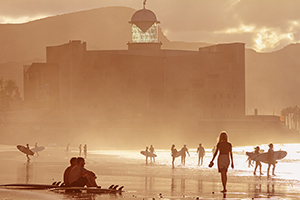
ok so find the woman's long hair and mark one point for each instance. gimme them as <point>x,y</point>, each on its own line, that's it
<point>223,137</point>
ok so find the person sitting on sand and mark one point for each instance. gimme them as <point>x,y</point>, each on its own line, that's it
<point>184,151</point>
<point>271,160</point>
<point>73,162</point>
<point>80,177</point>
<point>173,154</point>
<point>257,163</point>
<point>225,154</point>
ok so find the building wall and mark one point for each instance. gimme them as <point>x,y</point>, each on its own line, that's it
<point>150,85</point>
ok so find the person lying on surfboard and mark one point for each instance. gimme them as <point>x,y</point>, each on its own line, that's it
<point>80,177</point>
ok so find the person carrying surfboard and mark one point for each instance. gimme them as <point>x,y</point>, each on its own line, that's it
<point>257,163</point>
<point>80,177</point>
<point>271,160</point>
<point>225,155</point>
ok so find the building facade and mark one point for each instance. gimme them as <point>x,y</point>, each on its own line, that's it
<point>145,82</point>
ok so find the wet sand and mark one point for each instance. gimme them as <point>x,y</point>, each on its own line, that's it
<point>156,180</point>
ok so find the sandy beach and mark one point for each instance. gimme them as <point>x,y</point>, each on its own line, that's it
<point>155,180</point>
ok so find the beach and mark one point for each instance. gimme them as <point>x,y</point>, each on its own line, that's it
<point>156,180</point>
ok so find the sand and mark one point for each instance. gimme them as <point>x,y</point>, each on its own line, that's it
<point>155,180</point>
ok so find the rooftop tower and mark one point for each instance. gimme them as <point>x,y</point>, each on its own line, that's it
<point>144,30</point>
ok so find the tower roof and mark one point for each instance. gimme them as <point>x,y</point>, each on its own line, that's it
<point>144,19</point>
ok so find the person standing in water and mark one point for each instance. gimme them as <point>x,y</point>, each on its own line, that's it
<point>37,153</point>
<point>257,163</point>
<point>79,150</point>
<point>184,151</point>
<point>173,154</point>
<point>147,152</point>
<point>225,155</point>
<point>201,153</point>
<point>271,160</point>
<point>151,149</point>
<point>85,150</point>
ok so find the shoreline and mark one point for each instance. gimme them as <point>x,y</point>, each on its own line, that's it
<point>146,181</point>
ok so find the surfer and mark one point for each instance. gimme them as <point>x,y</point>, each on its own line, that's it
<point>37,153</point>
<point>151,149</point>
<point>184,151</point>
<point>79,150</point>
<point>73,162</point>
<point>257,163</point>
<point>27,155</point>
<point>225,154</point>
<point>201,153</point>
<point>173,153</point>
<point>80,177</point>
<point>85,150</point>
<point>271,160</point>
<point>147,153</point>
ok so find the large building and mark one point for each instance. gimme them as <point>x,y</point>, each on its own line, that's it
<point>146,83</point>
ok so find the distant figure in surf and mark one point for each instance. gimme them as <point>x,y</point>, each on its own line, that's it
<point>151,149</point>
<point>67,149</point>
<point>173,154</point>
<point>257,163</point>
<point>201,153</point>
<point>80,177</point>
<point>184,151</point>
<point>37,153</point>
<point>225,154</point>
<point>73,162</point>
<point>147,151</point>
<point>271,160</point>
<point>80,150</point>
<point>85,150</point>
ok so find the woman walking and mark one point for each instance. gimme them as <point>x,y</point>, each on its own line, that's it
<point>225,155</point>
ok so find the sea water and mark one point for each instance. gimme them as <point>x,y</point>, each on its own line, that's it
<point>154,180</point>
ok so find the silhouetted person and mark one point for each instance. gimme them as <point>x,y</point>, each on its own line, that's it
<point>67,149</point>
<point>27,155</point>
<point>225,154</point>
<point>151,149</point>
<point>73,162</point>
<point>257,163</point>
<point>184,151</point>
<point>37,153</point>
<point>85,150</point>
<point>173,154</point>
<point>201,153</point>
<point>80,177</point>
<point>147,153</point>
<point>80,150</point>
<point>271,160</point>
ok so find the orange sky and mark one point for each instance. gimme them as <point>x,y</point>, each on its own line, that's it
<point>264,25</point>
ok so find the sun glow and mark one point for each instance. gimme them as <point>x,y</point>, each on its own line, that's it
<point>19,20</point>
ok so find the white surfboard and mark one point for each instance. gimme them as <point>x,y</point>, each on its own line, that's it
<point>263,157</point>
<point>37,149</point>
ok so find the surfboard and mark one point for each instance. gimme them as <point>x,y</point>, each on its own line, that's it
<point>263,157</point>
<point>37,149</point>
<point>179,153</point>
<point>25,150</point>
<point>149,154</point>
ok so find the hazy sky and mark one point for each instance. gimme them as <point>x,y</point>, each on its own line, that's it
<point>264,25</point>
